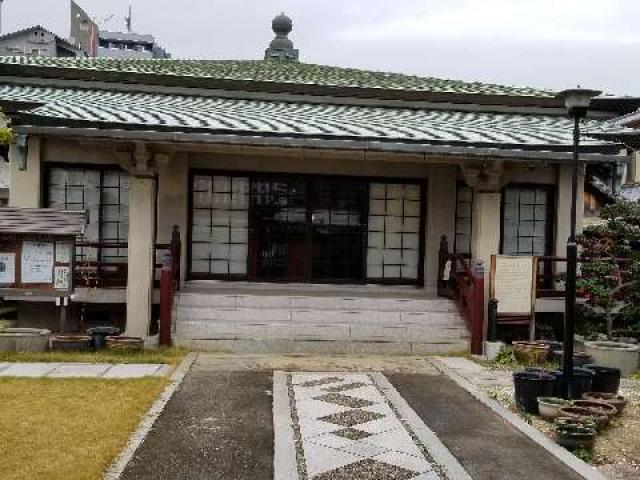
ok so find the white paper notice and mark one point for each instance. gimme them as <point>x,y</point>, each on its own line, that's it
<point>63,252</point>
<point>7,268</point>
<point>514,284</point>
<point>61,278</point>
<point>37,262</point>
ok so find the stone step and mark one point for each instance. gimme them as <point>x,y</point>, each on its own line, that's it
<point>298,317</point>
<point>328,303</point>
<point>324,347</point>
<point>319,332</point>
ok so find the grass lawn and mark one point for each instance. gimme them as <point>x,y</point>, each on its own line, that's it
<point>68,429</point>
<point>172,356</point>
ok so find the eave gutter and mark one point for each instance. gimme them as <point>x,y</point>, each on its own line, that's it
<point>390,146</point>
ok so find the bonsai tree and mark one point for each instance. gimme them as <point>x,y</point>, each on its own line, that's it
<point>6,137</point>
<point>610,268</point>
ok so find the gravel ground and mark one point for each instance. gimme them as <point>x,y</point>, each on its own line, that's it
<point>617,449</point>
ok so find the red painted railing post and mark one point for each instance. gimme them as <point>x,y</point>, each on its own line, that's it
<point>166,305</point>
<point>477,323</point>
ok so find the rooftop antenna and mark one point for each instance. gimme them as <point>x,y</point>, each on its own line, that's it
<point>127,19</point>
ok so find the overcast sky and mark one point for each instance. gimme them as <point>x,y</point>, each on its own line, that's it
<point>541,43</point>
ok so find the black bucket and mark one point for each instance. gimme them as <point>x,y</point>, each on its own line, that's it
<point>99,336</point>
<point>605,379</point>
<point>531,385</point>
<point>581,383</point>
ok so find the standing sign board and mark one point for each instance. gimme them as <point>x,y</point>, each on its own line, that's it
<point>36,251</point>
<point>513,285</point>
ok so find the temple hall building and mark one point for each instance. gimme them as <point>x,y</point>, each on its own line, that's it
<point>310,200</point>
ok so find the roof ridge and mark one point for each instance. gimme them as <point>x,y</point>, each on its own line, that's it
<point>274,72</point>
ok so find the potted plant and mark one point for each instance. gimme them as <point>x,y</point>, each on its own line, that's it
<point>531,385</point>
<point>549,407</point>
<point>605,379</point>
<point>617,401</point>
<point>610,273</point>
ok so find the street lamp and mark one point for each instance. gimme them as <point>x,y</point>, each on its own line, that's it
<point>577,102</point>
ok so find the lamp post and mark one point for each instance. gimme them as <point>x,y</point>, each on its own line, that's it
<point>577,102</point>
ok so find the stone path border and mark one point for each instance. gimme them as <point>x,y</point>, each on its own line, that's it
<point>440,453</point>
<point>286,451</point>
<point>83,370</point>
<point>145,425</point>
<point>566,457</point>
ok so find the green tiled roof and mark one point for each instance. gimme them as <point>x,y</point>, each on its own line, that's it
<point>136,110</point>
<point>290,73</point>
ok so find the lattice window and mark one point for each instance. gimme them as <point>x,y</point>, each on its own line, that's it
<point>104,195</point>
<point>220,233</point>
<point>393,248</point>
<point>464,219</point>
<point>526,218</point>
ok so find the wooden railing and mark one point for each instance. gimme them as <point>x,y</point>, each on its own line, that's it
<point>169,285</point>
<point>458,280</point>
<point>93,271</point>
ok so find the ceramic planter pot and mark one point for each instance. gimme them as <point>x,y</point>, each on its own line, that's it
<point>530,352</point>
<point>605,379</point>
<point>129,344</point>
<point>549,407</point>
<point>617,401</point>
<point>24,340</point>
<point>598,407</point>
<point>575,436</point>
<point>99,336</point>
<point>585,414</point>
<point>583,422</point>
<point>529,386</point>
<point>581,382</point>
<point>70,343</point>
<point>623,356</point>
<point>580,359</point>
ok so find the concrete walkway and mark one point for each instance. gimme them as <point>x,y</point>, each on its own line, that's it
<point>83,370</point>
<point>333,418</point>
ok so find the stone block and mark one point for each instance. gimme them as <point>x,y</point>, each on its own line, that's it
<point>321,332</point>
<point>378,333</point>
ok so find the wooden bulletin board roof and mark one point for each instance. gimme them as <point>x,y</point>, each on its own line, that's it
<point>41,221</point>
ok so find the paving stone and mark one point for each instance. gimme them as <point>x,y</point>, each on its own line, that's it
<point>351,417</point>
<point>352,433</point>
<point>136,371</point>
<point>348,430</point>
<point>345,387</point>
<point>345,400</point>
<point>319,458</point>
<point>86,370</point>
<point>32,370</point>
<point>368,470</point>
<point>410,462</point>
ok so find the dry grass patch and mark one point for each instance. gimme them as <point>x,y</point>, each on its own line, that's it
<point>172,356</point>
<point>68,429</point>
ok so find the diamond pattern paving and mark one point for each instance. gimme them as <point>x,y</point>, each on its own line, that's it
<point>344,388</point>
<point>345,427</point>
<point>321,381</point>
<point>345,400</point>
<point>368,469</point>
<point>352,433</point>
<point>351,417</point>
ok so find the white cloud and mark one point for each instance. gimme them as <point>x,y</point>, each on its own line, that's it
<point>584,21</point>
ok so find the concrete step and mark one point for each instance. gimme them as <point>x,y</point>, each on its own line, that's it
<point>362,317</point>
<point>324,347</point>
<point>328,331</point>
<point>267,322</point>
<point>328,303</point>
